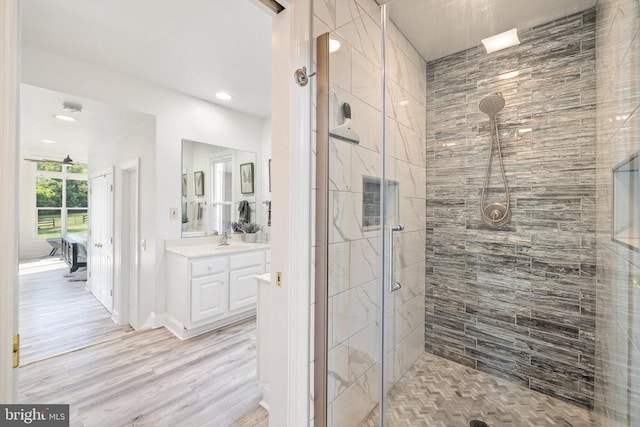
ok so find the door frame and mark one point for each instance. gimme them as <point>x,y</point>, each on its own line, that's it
<point>9,164</point>
<point>126,234</point>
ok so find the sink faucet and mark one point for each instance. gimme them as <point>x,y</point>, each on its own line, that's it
<point>224,239</point>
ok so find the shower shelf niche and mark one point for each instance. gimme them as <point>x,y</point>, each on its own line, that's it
<point>626,203</point>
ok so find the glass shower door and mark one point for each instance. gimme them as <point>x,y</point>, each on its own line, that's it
<point>370,203</point>
<point>403,213</point>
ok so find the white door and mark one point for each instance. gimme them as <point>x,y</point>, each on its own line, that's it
<point>101,238</point>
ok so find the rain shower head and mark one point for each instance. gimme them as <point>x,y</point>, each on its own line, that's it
<point>491,104</point>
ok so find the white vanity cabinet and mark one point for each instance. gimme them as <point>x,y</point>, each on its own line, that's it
<point>206,291</point>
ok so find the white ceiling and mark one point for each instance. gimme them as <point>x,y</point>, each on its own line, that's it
<point>97,123</point>
<point>196,47</point>
<point>437,28</point>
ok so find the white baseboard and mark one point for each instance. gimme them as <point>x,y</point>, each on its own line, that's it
<point>178,329</point>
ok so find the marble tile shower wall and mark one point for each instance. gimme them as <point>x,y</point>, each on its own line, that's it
<point>617,382</point>
<point>355,258</point>
<point>517,301</point>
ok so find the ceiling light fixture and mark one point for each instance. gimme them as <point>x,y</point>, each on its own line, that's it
<point>334,45</point>
<point>65,118</point>
<point>223,96</point>
<point>72,107</point>
<point>501,41</point>
<point>48,141</point>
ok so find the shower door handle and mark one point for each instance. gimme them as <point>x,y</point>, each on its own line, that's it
<point>393,285</point>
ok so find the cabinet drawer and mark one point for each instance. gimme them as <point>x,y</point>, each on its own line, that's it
<point>246,260</point>
<point>208,266</point>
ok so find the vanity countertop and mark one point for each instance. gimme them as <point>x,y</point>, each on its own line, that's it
<point>265,277</point>
<point>208,246</point>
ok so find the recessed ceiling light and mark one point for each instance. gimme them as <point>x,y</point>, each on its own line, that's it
<point>501,41</point>
<point>525,130</point>
<point>48,141</point>
<point>334,45</point>
<point>223,96</point>
<point>64,117</point>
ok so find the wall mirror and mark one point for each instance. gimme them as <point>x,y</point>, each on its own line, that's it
<point>212,187</point>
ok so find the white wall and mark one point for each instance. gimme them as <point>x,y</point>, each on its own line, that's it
<point>177,117</point>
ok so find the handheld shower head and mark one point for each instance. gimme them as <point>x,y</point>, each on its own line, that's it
<point>491,104</point>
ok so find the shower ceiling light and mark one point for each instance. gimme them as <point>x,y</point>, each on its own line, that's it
<point>334,45</point>
<point>501,41</point>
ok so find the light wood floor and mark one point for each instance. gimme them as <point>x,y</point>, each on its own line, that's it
<point>147,377</point>
<point>58,315</point>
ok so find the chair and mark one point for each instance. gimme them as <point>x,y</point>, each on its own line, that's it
<point>55,245</point>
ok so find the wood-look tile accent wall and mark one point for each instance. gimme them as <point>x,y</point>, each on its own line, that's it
<point>517,301</point>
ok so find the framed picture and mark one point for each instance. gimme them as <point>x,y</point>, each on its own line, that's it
<point>184,184</point>
<point>198,178</point>
<point>246,178</point>
<point>269,175</point>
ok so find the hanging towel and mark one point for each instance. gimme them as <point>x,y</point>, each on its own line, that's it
<point>245,211</point>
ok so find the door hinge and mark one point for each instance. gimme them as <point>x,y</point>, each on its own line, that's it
<point>111,240</point>
<point>89,274</point>
<point>16,350</point>
<point>110,292</point>
<point>111,188</point>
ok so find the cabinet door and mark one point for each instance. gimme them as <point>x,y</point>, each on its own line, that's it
<point>243,289</point>
<point>208,297</point>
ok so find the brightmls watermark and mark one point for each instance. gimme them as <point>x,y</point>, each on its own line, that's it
<point>34,415</point>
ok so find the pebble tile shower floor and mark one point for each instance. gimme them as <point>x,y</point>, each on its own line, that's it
<point>437,392</point>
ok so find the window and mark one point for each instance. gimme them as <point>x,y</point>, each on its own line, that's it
<point>61,199</point>
<point>222,194</point>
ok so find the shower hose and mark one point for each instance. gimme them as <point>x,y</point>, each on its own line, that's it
<point>497,213</point>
